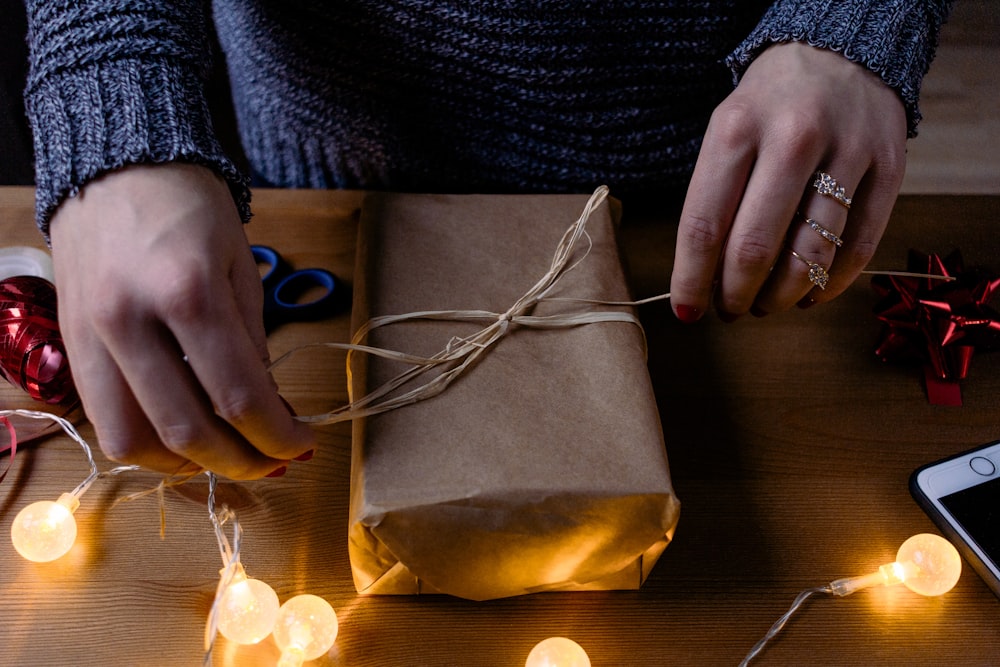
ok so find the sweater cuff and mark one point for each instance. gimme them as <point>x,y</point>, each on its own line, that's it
<point>107,115</point>
<point>895,39</point>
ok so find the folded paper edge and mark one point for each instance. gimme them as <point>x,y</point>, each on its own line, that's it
<point>392,577</point>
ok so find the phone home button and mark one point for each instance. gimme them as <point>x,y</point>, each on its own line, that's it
<point>982,465</point>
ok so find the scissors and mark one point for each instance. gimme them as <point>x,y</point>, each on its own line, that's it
<point>283,289</point>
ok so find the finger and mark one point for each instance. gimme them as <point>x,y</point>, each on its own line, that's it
<point>230,363</point>
<point>758,233</point>
<point>181,411</point>
<point>247,285</point>
<point>164,385</point>
<point>810,247</point>
<point>717,183</point>
<point>123,432</point>
<point>869,216</point>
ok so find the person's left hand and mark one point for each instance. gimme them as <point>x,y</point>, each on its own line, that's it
<point>744,238</point>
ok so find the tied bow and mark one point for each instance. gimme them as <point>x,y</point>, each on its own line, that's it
<point>939,323</point>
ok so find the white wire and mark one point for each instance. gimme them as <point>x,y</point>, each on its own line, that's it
<point>70,431</point>
<point>780,623</point>
<point>230,561</point>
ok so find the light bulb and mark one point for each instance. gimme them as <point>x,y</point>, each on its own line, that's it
<point>247,609</point>
<point>306,629</point>
<point>557,652</point>
<point>45,530</point>
<point>926,564</point>
<point>930,564</point>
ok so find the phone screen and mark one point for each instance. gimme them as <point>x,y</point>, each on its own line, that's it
<point>977,509</point>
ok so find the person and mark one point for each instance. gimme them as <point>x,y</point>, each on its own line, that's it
<point>790,175</point>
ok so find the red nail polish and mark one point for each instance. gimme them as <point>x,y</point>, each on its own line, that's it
<point>806,302</point>
<point>277,472</point>
<point>688,314</point>
<point>307,456</point>
<point>757,312</point>
<point>728,318</point>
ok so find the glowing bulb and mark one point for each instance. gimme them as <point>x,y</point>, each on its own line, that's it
<point>926,564</point>
<point>557,652</point>
<point>46,530</point>
<point>306,629</point>
<point>247,609</point>
<point>930,564</point>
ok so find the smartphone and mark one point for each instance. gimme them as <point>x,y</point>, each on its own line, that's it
<point>961,494</point>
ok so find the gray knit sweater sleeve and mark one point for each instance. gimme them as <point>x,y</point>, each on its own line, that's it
<point>895,39</point>
<point>117,82</point>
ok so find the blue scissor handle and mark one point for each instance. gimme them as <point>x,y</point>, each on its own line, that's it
<point>283,288</point>
<point>276,265</point>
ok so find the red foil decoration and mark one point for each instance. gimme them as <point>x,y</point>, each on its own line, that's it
<point>32,354</point>
<point>938,323</point>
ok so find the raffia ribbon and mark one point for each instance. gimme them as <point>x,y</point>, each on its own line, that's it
<point>462,352</point>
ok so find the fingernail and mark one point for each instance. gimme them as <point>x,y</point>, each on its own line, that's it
<point>806,302</point>
<point>757,312</point>
<point>277,472</point>
<point>728,318</point>
<point>307,456</point>
<point>688,314</point>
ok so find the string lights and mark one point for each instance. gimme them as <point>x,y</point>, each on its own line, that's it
<point>925,563</point>
<point>248,609</point>
<point>557,652</point>
<point>46,530</point>
<point>245,610</point>
<point>305,629</point>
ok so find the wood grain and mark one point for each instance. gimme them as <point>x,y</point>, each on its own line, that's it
<point>790,447</point>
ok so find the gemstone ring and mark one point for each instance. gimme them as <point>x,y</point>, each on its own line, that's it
<point>817,274</point>
<point>827,186</point>
<point>823,231</point>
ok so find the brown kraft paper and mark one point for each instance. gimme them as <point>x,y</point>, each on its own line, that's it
<point>543,467</point>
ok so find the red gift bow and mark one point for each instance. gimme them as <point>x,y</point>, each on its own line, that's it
<point>937,322</point>
<point>32,355</point>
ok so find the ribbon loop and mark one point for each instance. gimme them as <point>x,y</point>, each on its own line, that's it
<point>939,324</point>
<point>460,353</point>
<point>32,354</point>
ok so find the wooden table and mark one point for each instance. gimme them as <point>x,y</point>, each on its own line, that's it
<point>790,448</point>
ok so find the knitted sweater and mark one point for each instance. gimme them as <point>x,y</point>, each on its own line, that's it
<point>426,95</point>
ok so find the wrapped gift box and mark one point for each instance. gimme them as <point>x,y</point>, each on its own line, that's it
<point>543,466</point>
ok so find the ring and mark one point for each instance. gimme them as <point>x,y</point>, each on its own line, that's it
<point>826,185</point>
<point>817,274</point>
<point>823,231</point>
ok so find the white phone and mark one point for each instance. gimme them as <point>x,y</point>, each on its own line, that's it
<point>961,494</point>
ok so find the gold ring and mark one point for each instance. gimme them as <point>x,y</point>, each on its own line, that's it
<point>823,231</point>
<point>817,274</point>
<point>827,185</point>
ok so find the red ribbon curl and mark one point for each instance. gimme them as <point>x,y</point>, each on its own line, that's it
<point>938,323</point>
<point>32,354</point>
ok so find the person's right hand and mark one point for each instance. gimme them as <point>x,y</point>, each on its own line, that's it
<point>160,310</point>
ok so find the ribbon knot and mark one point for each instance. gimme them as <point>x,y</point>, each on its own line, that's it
<point>504,321</point>
<point>461,353</point>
